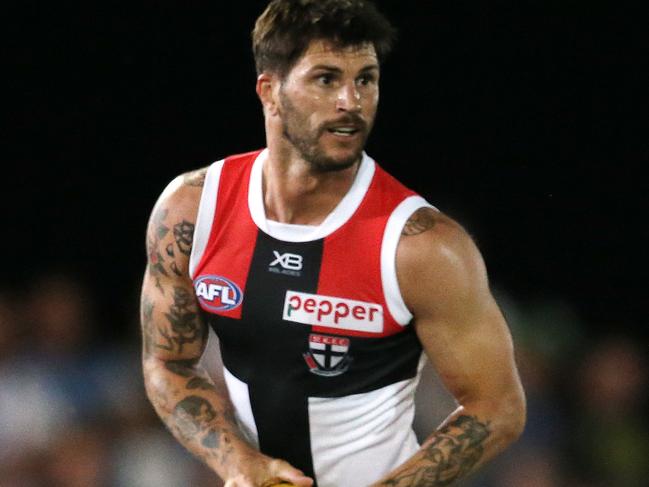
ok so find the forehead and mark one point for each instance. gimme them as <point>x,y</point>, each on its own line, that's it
<point>321,52</point>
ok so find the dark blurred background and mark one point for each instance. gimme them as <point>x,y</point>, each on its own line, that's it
<point>527,121</point>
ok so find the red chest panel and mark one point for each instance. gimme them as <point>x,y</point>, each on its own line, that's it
<point>348,298</point>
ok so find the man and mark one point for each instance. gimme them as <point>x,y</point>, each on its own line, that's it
<point>324,278</point>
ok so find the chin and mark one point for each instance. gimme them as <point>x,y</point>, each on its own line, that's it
<point>338,157</point>
<point>336,162</point>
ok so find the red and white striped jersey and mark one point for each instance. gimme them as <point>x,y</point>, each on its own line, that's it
<point>320,361</point>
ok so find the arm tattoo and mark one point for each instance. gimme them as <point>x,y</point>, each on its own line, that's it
<point>186,368</point>
<point>184,235</point>
<point>453,453</point>
<point>185,323</point>
<point>195,178</point>
<point>173,266</point>
<point>156,260</point>
<point>421,220</point>
<point>199,383</point>
<point>191,419</point>
<point>147,324</point>
<point>185,328</point>
<point>180,367</point>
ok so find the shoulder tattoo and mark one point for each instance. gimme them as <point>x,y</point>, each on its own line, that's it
<point>162,253</point>
<point>156,234</point>
<point>195,178</point>
<point>420,221</point>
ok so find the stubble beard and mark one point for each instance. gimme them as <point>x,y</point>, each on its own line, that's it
<point>295,130</point>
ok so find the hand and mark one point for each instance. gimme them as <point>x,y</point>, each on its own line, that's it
<point>265,472</point>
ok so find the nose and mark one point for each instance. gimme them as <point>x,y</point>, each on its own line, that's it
<point>348,98</point>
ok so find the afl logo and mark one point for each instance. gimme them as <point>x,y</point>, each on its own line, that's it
<point>217,293</point>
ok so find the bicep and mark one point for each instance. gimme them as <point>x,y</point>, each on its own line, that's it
<point>172,327</point>
<point>457,319</point>
<point>472,352</point>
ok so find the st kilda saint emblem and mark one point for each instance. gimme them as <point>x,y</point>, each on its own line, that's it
<point>327,355</point>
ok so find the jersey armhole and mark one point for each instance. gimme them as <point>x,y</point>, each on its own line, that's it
<point>392,294</point>
<point>205,215</point>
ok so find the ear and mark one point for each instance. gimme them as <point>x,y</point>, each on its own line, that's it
<point>266,88</point>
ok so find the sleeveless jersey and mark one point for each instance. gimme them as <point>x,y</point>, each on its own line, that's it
<point>319,360</point>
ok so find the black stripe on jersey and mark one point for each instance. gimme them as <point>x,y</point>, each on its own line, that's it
<point>278,397</point>
<point>268,353</point>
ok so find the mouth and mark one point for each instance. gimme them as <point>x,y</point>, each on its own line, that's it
<point>344,130</point>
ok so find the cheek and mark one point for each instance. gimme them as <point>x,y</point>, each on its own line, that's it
<point>303,101</point>
<point>371,106</point>
<point>310,109</point>
<point>370,101</point>
<point>317,102</point>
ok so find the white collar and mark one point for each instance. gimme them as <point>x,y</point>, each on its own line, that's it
<point>306,233</point>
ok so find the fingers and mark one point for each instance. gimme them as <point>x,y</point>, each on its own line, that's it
<point>240,481</point>
<point>290,475</point>
<point>275,473</point>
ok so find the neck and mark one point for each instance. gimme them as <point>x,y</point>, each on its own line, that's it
<point>294,192</point>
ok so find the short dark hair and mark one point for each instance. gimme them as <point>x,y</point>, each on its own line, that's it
<point>285,29</point>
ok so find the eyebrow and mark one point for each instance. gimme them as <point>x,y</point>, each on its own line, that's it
<point>336,69</point>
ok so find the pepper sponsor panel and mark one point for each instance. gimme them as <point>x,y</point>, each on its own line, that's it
<point>333,312</point>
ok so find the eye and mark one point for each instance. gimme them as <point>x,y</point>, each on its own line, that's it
<point>366,79</point>
<point>325,79</point>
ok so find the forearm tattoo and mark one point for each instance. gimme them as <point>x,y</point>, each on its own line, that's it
<point>192,418</point>
<point>202,425</point>
<point>182,368</point>
<point>421,220</point>
<point>453,453</point>
<point>197,382</point>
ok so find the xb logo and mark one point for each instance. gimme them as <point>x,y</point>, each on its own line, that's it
<point>292,262</point>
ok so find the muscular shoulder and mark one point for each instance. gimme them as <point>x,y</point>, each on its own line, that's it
<point>182,195</point>
<point>170,229</point>
<point>438,261</point>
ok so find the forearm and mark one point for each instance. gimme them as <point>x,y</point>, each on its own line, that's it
<point>466,440</point>
<point>197,412</point>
